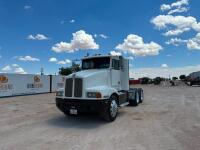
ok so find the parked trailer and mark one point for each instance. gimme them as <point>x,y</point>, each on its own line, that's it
<point>133,82</point>
<point>101,86</point>
<point>24,84</point>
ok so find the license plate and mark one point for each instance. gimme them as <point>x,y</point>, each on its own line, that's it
<point>73,111</point>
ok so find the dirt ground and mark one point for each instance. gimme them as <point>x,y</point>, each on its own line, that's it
<point>169,119</point>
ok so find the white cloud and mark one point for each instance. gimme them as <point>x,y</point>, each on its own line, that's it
<point>114,53</point>
<point>181,24</point>
<point>176,32</point>
<point>27,58</point>
<point>14,68</point>
<point>194,43</point>
<point>95,35</point>
<point>176,7</point>
<point>72,21</point>
<point>64,21</point>
<point>165,7</point>
<point>63,62</point>
<point>103,36</point>
<point>59,62</point>
<point>19,70</point>
<point>27,7</point>
<point>135,45</point>
<point>162,72</point>
<point>53,59</point>
<point>15,65</point>
<point>6,68</point>
<point>176,41</point>
<point>130,58</point>
<point>164,66</point>
<point>80,41</point>
<point>67,60</point>
<point>180,3</point>
<point>178,10</point>
<point>37,37</point>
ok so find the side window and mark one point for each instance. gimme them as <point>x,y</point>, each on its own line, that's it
<point>115,64</point>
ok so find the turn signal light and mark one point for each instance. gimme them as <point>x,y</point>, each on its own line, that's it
<point>59,93</point>
<point>98,95</point>
<point>94,95</point>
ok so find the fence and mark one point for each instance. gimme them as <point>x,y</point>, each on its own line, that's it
<point>19,84</point>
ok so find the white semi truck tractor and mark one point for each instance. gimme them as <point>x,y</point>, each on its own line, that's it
<point>101,86</point>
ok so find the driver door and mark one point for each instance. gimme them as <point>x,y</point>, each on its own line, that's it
<point>115,74</point>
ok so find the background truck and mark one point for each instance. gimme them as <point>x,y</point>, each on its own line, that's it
<point>101,86</point>
<point>193,78</point>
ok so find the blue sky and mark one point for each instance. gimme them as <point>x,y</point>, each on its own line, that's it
<point>30,29</point>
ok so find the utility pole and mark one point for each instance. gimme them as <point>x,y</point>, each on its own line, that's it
<point>42,71</point>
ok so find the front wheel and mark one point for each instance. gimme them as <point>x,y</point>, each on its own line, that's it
<point>111,110</point>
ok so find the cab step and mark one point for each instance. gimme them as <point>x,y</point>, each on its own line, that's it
<point>124,104</point>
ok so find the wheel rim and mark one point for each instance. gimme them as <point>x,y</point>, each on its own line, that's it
<point>113,108</point>
<point>137,98</point>
<point>142,96</point>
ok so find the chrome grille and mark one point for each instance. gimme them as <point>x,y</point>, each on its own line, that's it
<point>78,86</point>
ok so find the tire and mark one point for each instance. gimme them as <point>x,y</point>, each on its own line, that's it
<point>111,109</point>
<point>141,94</point>
<point>136,99</point>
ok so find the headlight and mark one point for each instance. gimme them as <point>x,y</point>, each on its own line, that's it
<point>93,94</point>
<point>59,93</point>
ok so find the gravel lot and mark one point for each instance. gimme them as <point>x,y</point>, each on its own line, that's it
<point>169,119</point>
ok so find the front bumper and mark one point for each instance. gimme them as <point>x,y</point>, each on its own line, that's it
<point>81,105</point>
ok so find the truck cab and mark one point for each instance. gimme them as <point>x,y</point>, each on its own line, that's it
<point>101,86</point>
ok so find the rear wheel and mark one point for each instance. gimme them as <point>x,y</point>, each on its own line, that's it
<point>141,95</point>
<point>136,100</point>
<point>111,110</point>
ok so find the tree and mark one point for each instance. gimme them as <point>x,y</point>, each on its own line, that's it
<point>144,80</point>
<point>182,77</point>
<point>157,80</point>
<point>174,78</point>
<point>65,71</point>
<point>68,70</point>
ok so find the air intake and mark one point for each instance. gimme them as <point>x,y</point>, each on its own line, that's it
<point>68,87</point>
<point>78,87</point>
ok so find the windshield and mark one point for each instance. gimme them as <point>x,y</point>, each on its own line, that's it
<point>96,63</point>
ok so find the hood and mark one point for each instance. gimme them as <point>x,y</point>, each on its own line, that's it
<point>92,77</point>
